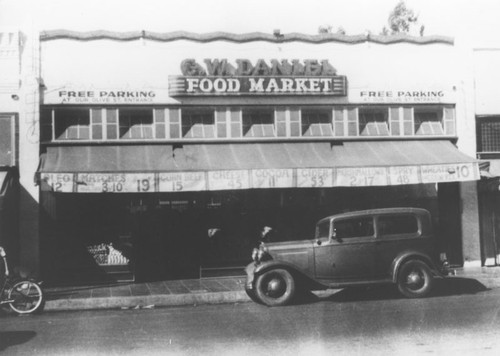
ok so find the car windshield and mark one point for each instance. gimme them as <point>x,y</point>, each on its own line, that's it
<point>323,229</point>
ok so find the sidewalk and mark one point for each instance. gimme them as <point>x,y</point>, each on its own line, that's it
<point>187,292</point>
<point>147,295</point>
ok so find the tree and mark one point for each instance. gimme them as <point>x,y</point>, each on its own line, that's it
<point>325,29</point>
<point>401,19</point>
<point>329,29</point>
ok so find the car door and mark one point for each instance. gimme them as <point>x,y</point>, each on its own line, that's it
<point>349,254</point>
<point>397,234</point>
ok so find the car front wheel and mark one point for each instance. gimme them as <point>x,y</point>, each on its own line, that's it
<point>251,293</point>
<point>275,287</point>
<point>415,279</point>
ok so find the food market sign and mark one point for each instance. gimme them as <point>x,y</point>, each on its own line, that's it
<point>221,78</point>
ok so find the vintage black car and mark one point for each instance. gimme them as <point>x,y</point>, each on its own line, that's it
<point>392,245</point>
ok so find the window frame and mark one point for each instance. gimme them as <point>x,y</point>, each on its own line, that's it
<point>335,236</point>
<point>316,110</point>
<point>398,235</point>
<point>480,142</point>
<point>199,111</point>
<point>141,125</point>
<point>440,118</point>
<point>383,110</point>
<point>272,117</point>
<point>57,135</point>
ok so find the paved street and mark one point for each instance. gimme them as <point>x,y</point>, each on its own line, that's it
<point>462,319</point>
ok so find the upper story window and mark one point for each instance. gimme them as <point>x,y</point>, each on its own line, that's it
<point>488,134</point>
<point>234,122</point>
<point>198,123</point>
<point>317,122</point>
<point>428,121</point>
<point>373,122</point>
<point>136,123</point>
<point>72,124</point>
<point>258,122</point>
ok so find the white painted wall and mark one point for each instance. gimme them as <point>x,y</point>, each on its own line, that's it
<point>487,80</point>
<point>135,64</point>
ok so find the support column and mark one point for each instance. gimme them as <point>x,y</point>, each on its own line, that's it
<point>471,245</point>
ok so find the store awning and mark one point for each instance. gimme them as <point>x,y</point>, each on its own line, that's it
<point>196,167</point>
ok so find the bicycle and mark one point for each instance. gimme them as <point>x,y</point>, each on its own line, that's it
<point>24,296</point>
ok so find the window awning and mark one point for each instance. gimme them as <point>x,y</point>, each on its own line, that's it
<point>198,167</point>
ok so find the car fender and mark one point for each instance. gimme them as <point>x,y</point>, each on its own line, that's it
<point>273,264</point>
<point>411,255</point>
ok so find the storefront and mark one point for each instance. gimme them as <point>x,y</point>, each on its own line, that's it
<point>487,111</point>
<point>164,155</point>
<point>9,142</point>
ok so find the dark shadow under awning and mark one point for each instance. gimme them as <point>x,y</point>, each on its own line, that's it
<point>195,167</point>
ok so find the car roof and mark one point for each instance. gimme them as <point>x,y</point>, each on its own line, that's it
<point>382,211</point>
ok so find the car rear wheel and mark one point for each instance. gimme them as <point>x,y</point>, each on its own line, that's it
<point>415,279</point>
<point>275,287</point>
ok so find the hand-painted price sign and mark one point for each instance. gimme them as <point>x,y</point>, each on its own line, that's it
<point>115,182</point>
<point>58,182</point>
<point>272,178</point>
<point>449,173</point>
<point>314,177</point>
<point>182,182</point>
<point>361,177</point>
<point>404,175</point>
<point>228,180</point>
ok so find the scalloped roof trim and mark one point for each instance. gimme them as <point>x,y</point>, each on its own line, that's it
<point>241,38</point>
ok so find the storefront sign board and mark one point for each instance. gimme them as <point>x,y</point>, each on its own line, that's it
<point>404,96</point>
<point>267,178</point>
<point>182,182</point>
<point>103,96</point>
<point>272,178</point>
<point>459,172</point>
<point>404,175</point>
<point>196,86</point>
<point>361,177</point>
<point>58,182</point>
<point>314,177</point>
<point>228,180</point>
<point>115,182</point>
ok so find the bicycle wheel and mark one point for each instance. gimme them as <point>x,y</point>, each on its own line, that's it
<point>26,296</point>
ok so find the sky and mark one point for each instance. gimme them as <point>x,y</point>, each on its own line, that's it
<point>474,20</point>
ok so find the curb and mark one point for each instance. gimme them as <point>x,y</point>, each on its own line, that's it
<point>145,301</point>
